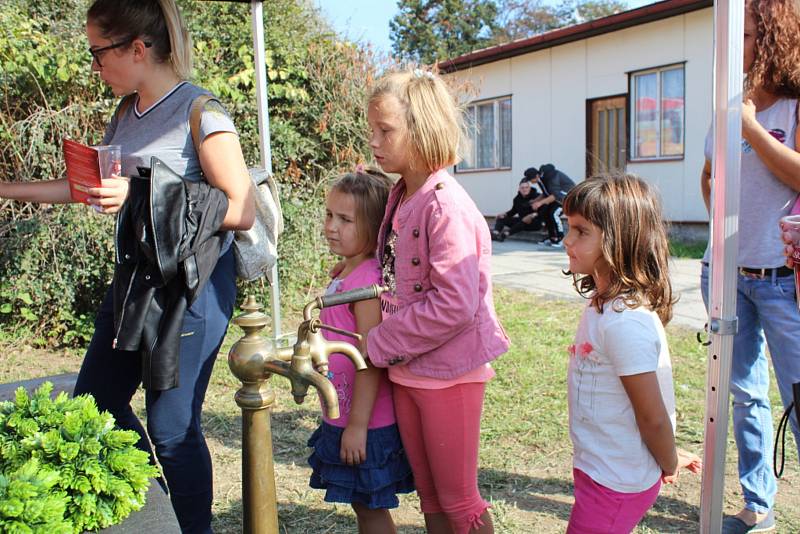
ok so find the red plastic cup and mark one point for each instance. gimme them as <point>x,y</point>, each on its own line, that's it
<point>790,225</point>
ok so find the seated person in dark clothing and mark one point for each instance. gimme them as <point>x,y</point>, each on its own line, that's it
<point>520,217</point>
<point>554,185</point>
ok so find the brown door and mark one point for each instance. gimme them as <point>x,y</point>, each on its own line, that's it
<point>606,136</point>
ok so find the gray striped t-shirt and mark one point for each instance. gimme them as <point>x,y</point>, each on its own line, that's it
<point>162,130</point>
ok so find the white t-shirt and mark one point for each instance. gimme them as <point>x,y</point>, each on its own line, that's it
<point>764,199</point>
<point>607,444</point>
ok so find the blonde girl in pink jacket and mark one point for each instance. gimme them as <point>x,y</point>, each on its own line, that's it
<point>439,329</point>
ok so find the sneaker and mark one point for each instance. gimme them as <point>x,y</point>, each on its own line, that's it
<point>550,242</point>
<point>734,525</point>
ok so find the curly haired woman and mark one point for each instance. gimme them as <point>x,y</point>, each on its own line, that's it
<point>765,301</point>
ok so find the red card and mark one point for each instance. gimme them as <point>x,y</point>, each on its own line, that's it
<point>83,170</point>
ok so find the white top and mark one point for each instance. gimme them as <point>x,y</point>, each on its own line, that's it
<point>764,199</point>
<point>607,444</point>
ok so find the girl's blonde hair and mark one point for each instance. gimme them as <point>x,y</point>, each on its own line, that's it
<point>776,65</point>
<point>157,22</point>
<point>370,190</point>
<point>634,242</point>
<point>434,121</point>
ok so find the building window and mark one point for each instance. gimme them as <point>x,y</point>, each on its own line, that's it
<point>657,115</point>
<point>489,130</point>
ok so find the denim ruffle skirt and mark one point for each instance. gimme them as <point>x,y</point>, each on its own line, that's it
<point>374,483</point>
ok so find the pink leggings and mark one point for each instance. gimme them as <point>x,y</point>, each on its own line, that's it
<point>601,510</point>
<point>440,431</point>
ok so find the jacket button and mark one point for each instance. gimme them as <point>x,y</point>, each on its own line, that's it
<point>415,233</point>
<point>439,186</point>
<point>414,261</point>
<point>417,287</point>
<point>147,277</point>
<point>395,360</point>
<point>127,256</point>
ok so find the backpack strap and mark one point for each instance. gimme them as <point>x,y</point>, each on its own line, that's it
<point>195,115</point>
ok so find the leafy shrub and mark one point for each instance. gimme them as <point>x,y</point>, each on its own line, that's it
<point>55,260</point>
<point>64,455</point>
<point>28,503</point>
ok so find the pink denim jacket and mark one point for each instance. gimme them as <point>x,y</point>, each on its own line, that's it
<point>446,323</point>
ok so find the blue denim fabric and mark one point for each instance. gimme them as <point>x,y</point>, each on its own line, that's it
<point>767,310</point>
<point>173,416</point>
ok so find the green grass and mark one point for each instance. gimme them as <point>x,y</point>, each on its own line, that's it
<point>687,249</point>
<point>525,465</point>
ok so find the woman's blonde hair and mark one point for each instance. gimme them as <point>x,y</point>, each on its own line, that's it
<point>634,242</point>
<point>776,62</point>
<point>434,121</point>
<point>157,22</point>
<point>370,189</point>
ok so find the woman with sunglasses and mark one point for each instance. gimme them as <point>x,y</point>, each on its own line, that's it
<point>141,49</point>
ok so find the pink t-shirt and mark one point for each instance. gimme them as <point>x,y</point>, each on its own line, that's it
<point>401,374</point>
<point>341,371</point>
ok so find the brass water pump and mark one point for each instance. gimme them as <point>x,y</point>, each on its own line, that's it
<point>253,359</point>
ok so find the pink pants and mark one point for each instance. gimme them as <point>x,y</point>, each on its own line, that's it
<point>600,510</point>
<point>440,431</point>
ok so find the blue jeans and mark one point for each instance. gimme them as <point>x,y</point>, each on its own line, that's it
<point>173,416</point>
<point>766,309</point>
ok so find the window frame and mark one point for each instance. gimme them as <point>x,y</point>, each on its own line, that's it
<point>633,157</point>
<point>497,150</point>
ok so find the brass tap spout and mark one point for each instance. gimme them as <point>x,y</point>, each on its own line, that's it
<point>348,350</point>
<point>301,380</point>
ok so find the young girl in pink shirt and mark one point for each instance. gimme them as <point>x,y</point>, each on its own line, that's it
<point>358,458</point>
<point>439,328</point>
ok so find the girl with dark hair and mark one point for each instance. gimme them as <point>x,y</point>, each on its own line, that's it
<point>141,49</point>
<point>765,301</point>
<point>621,399</point>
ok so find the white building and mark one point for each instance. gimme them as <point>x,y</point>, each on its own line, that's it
<point>631,91</point>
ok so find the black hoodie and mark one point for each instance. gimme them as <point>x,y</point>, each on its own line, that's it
<point>555,182</point>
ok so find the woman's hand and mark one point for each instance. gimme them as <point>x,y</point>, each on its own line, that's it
<point>749,122</point>
<point>353,450</point>
<point>687,460</point>
<point>788,249</point>
<point>110,196</point>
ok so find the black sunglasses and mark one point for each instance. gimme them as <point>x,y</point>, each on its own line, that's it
<point>96,53</point>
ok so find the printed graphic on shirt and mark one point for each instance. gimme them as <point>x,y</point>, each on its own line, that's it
<point>344,390</point>
<point>777,133</point>
<point>584,356</point>
<point>387,262</point>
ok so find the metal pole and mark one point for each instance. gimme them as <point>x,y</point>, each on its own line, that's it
<point>257,16</point>
<point>247,361</point>
<point>728,50</point>
<point>259,495</point>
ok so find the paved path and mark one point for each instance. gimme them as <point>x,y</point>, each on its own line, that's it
<point>537,269</point>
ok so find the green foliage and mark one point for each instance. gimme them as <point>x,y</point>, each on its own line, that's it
<point>429,31</point>
<point>60,256</point>
<point>52,288</point>
<point>64,467</point>
<point>525,18</point>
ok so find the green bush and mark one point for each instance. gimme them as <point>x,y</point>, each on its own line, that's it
<point>56,260</point>
<point>65,455</point>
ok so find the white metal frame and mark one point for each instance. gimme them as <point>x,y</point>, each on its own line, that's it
<point>259,60</point>
<point>724,237</point>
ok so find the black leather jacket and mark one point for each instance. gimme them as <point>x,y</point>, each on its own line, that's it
<point>168,241</point>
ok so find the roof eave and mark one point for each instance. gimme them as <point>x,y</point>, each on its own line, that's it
<point>619,21</point>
